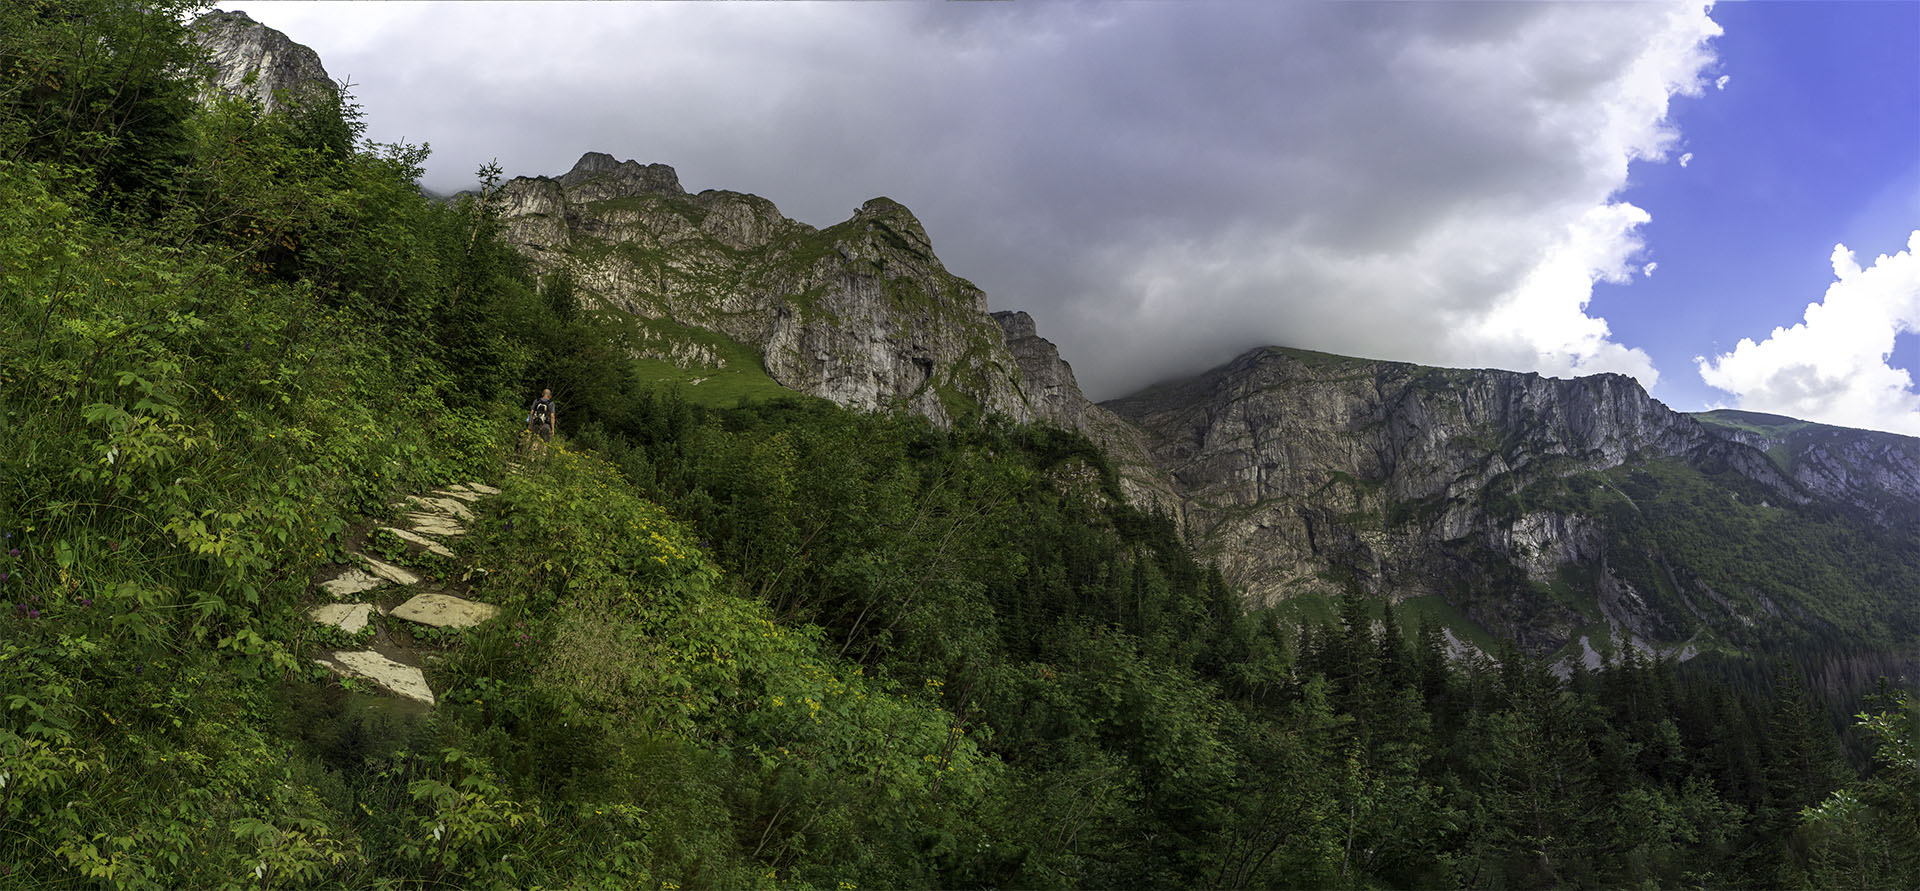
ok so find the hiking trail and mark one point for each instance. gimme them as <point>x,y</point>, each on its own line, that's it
<point>392,608</point>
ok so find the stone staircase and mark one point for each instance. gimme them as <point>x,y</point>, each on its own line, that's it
<point>371,587</point>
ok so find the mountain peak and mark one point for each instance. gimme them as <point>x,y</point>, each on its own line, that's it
<point>252,60</point>
<point>895,217</point>
<point>628,178</point>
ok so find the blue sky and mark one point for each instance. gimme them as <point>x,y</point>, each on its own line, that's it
<point>1815,140</point>
<point>1164,185</point>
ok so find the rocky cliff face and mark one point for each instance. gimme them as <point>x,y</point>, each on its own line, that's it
<point>252,60</point>
<point>1302,472</point>
<point>861,313</point>
<point>1055,397</point>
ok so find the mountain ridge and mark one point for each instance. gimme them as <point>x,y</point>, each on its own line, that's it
<point>1300,472</point>
<point>1303,473</point>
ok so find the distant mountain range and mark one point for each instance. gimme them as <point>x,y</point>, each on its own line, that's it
<point>1573,517</point>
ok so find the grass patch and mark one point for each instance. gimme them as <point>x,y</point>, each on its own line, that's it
<point>1433,607</point>
<point>1776,426</point>
<point>739,378</point>
<point>1315,608</point>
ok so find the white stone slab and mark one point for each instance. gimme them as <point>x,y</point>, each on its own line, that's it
<point>452,506</point>
<point>444,611</point>
<point>435,524</point>
<point>348,617</point>
<point>352,582</point>
<point>438,504</point>
<point>447,507</point>
<point>419,542</point>
<point>389,571</point>
<point>482,489</point>
<point>397,678</point>
<point>457,493</point>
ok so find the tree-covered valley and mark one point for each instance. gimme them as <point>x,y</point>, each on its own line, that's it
<point>751,638</point>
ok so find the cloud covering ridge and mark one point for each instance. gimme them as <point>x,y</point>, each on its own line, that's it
<point>1160,185</point>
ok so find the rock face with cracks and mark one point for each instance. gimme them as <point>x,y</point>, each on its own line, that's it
<point>1302,472</point>
<point>861,313</point>
<point>251,60</point>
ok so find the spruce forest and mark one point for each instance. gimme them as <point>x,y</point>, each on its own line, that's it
<point>765,643</point>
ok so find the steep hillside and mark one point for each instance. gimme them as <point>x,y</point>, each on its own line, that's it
<point>774,645</point>
<point>1507,498</point>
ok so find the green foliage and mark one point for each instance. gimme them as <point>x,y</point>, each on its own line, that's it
<point>101,90</point>
<point>1699,541</point>
<point>1868,836</point>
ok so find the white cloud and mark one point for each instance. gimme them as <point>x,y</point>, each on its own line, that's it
<point>1686,159</point>
<point>1720,83</point>
<point>1834,366</point>
<point>1489,269</point>
<point>1648,269</point>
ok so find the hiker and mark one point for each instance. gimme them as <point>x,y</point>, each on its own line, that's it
<point>542,418</point>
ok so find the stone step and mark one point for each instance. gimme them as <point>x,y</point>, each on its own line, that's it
<point>452,507</point>
<point>388,571</point>
<point>435,524</point>
<point>397,678</point>
<point>444,611</point>
<point>348,617</point>
<point>416,542</point>
<point>459,493</point>
<point>482,489</point>
<point>351,582</point>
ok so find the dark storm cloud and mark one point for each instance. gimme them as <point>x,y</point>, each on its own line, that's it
<point>1160,184</point>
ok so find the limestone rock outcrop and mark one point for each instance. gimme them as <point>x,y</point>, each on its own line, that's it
<point>1303,472</point>
<point>252,60</point>
<point>862,313</point>
<point>1054,396</point>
